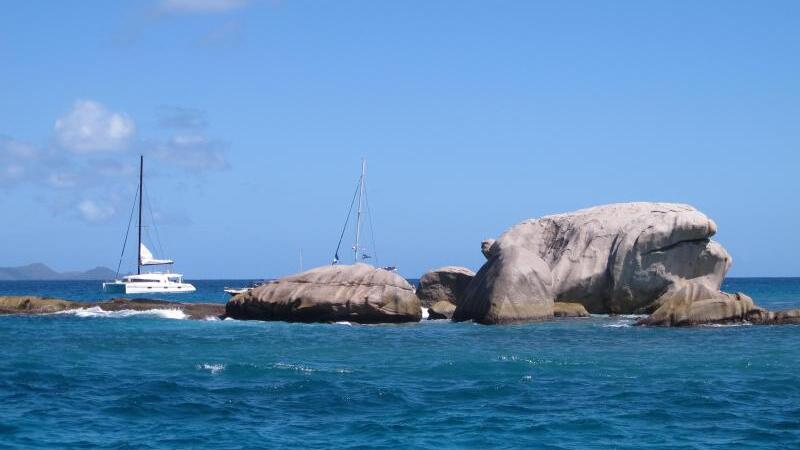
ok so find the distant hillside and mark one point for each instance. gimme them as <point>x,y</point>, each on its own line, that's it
<point>39,271</point>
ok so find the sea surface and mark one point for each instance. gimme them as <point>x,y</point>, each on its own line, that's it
<point>129,380</point>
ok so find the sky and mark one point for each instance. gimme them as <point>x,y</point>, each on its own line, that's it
<point>253,117</point>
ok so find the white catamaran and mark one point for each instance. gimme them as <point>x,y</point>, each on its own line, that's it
<point>147,282</point>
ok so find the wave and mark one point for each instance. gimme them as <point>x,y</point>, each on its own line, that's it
<point>96,311</point>
<point>213,368</point>
<point>424,313</point>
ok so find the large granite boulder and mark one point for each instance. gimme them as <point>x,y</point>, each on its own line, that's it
<point>444,284</point>
<point>620,259</point>
<point>515,285</point>
<point>356,293</point>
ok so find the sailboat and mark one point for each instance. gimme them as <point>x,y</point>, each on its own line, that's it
<point>360,253</point>
<point>146,282</point>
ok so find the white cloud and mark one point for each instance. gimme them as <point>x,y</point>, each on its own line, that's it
<point>94,212</point>
<point>89,127</point>
<point>199,6</point>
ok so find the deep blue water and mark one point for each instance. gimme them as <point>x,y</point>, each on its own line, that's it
<point>144,381</point>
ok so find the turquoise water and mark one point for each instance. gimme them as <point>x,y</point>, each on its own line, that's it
<point>146,381</point>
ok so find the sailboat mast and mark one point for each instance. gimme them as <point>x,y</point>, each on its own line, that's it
<point>358,212</point>
<point>141,188</point>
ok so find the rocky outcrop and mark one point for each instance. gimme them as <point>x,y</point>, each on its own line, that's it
<point>720,309</point>
<point>441,310</point>
<point>42,305</point>
<point>618,259</point>
<point>486,248</point>
<point>760,316</point>
<point>568,309</point>
<point>444,284</point>
<point>356,293</point>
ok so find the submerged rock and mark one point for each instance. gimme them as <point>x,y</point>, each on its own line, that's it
<point>42,305</point>
<point>356,293</point>
<point>568,309</point>
<point>441,310</point>
<point>626,258</point>
<point>444,284</point>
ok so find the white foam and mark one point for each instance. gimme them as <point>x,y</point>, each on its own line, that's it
<point>424,313</point>
<point>726,325</point>
<point>213,368</point>
<point>344,322</point>
<point>96,311</point>
<point>620,324</point>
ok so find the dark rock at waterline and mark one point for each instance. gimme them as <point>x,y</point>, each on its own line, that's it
<point>42,305</point>
<point>444,284</point>
<point>620,258</point>
<point>441,310</point>
<point>356,293</point>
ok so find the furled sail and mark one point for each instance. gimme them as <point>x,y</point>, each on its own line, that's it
<point>147,257</point>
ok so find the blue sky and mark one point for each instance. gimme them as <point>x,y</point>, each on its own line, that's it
<point>253,116</point>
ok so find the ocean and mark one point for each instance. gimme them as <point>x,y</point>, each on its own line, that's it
<point>152,381</point>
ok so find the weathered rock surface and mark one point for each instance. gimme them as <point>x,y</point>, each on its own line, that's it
<point>515,285</point>
<point>356,293</point>
<point>568,309</point>
<point>441,310</point>
<point>444,284</point>
<point>41,305</point>
<point>619,259</point>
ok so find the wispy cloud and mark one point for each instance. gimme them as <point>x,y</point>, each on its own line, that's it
<point>180,118</point>
<point>92,211</point>
<point>90,127</point>
<point>199,6</point>
<point>86,168</point>
<point>194,152</point>
<point>17,161</point>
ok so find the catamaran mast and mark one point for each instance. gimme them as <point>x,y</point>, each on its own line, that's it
<point>139,247</point>
<point>358,212</point>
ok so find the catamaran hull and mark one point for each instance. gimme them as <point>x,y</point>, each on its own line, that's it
<point>147,288</point>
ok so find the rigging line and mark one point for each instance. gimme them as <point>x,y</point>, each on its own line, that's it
<point>346,221</point>
<point>127,231</point>
<point>371,229</point>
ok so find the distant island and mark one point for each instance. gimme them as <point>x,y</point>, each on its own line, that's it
<point>39,271</point>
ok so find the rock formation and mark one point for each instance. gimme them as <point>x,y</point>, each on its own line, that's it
<point>41,305</point>
<point>357,293</point>
<point>441,310</point>
<point>486,248</point>
<point>444,284</point>
<point>618,259</point>
<point>568,309</point>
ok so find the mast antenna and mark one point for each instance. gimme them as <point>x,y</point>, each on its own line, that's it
<point>360,206</point>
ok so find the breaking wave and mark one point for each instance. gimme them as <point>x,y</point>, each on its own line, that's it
<point>96,311</point>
